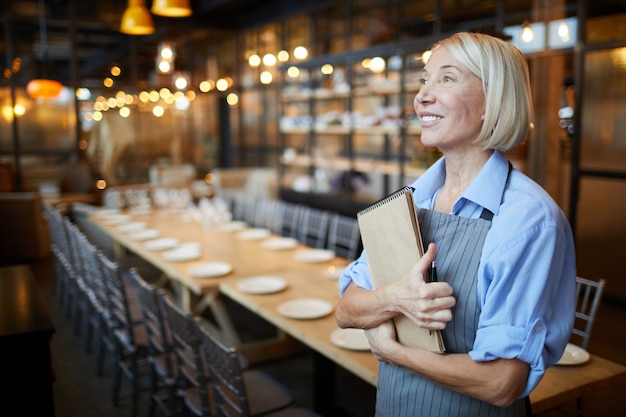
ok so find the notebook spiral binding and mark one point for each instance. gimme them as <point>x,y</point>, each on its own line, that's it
<point>386,199</point>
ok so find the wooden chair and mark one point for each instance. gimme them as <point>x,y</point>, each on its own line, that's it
<point>313,227</point>
<point>588,298</point>
<point>344,237</point>
<point>243,393</point>
<point>162,359</point>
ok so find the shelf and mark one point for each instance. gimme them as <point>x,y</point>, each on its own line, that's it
<point>359,164</point>
<point>342,130</point>
<point>328,94</point>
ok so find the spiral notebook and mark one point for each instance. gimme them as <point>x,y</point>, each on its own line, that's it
<point>393,244</point>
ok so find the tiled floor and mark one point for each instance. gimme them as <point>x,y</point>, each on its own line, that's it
<point>80,393</point>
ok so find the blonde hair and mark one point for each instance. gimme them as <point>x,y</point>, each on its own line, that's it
<point>503,70</point>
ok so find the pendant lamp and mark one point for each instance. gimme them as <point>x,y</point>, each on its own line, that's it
<point>171,8</point>
<point>42,87</point>
<point>136,19</point>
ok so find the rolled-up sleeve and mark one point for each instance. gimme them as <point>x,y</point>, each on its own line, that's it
<point>527,301</point>
<point>357,272</point>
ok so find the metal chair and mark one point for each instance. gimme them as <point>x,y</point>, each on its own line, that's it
<point>344,237</point>
<point>287,218</point>
<point>313,227</point>
<point>162,359</point>
<point>588,298</point>
<point>243,393</point>
<point>62,255</point>
<point>129,335</point>
<point>193,384</point>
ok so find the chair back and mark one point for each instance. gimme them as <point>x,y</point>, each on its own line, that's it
<point>313,227</point>
<point>119,307</point>
<point>191,369</point>
<point>588,298</point>
<point>344,237</point>
<point>288,217</point>
<point>159,339</point>
<point>227,384</point>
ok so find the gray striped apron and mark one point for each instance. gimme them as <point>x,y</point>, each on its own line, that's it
<point>402,393</point>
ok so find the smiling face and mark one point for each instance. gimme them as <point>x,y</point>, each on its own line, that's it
<point>450,104</point>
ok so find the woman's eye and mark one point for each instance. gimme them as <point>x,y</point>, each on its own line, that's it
<point>447,79</point>
<point>423,81</point>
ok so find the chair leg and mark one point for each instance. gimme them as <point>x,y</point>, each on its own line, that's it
<point>116,376</point>
<point>135,384</point>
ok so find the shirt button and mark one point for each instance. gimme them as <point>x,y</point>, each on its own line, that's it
<point>538,328</point>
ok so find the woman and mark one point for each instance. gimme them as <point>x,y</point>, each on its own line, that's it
<point>504,251</point>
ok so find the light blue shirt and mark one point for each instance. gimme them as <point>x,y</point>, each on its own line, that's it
<point>527,274</point>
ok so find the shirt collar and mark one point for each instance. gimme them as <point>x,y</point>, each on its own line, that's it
<point>486,189</point>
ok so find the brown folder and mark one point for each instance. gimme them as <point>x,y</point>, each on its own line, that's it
<point>393,244</point>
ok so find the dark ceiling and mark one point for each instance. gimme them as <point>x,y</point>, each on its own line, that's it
<point>85,34</point>
<point>82,38</point>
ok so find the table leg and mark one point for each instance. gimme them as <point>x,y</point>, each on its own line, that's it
<point>224,323</point>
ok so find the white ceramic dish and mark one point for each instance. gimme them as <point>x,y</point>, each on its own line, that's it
<point>181,255</point>
<point>163,243</point>
<point>146,234</point>
<point>210,269</point>
<point>253,234</point>
<point>234,226</point>
<point>573,355</point>
<point>116,219</point>
<point>262,285</point>
<point>279,243</point>
<point>333,272</point>
<point>107,213</point>
<point>305,308</point>
<point>314,255</point>
<point>351,339</point>
<point>131,227</point>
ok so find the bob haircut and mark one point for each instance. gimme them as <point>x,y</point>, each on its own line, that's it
<point>503,70</point>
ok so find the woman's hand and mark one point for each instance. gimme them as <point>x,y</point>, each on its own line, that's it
<point>380,338</point>
<point>428,304</point>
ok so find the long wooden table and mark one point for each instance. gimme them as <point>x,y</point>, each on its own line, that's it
<point>560,383</point>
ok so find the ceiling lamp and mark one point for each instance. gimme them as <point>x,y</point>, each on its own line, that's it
<point>136,19</point>
<point>42,87</point>
<point>171,8</point>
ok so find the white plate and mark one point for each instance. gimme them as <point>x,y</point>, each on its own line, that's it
<point>181,255</point>
<point>116,219</point>
<point>305,308</point>
<point>279,243</point>
<point>144,234</point>
<point>333,272</point>
<point>352,339</point>
<point>210,269</point>
<point>233,226</point>
<point>163,243</point>
<point>262,285</point>
<point>573,355</point>
<point>107,213</point>
<point>253,234</point>
<point>314,255</point>
<point>131,227</point>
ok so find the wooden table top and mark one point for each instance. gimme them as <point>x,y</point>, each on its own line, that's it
<point>249,259</point>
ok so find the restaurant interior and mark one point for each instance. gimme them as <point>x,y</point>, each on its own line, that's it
<point>240,113</point>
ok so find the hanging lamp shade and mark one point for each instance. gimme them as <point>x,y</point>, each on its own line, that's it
<point>171,8</point>
<point>136,19</point>
<point>42,88</point>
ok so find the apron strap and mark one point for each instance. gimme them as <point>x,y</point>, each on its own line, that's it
<point>488,214</point>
